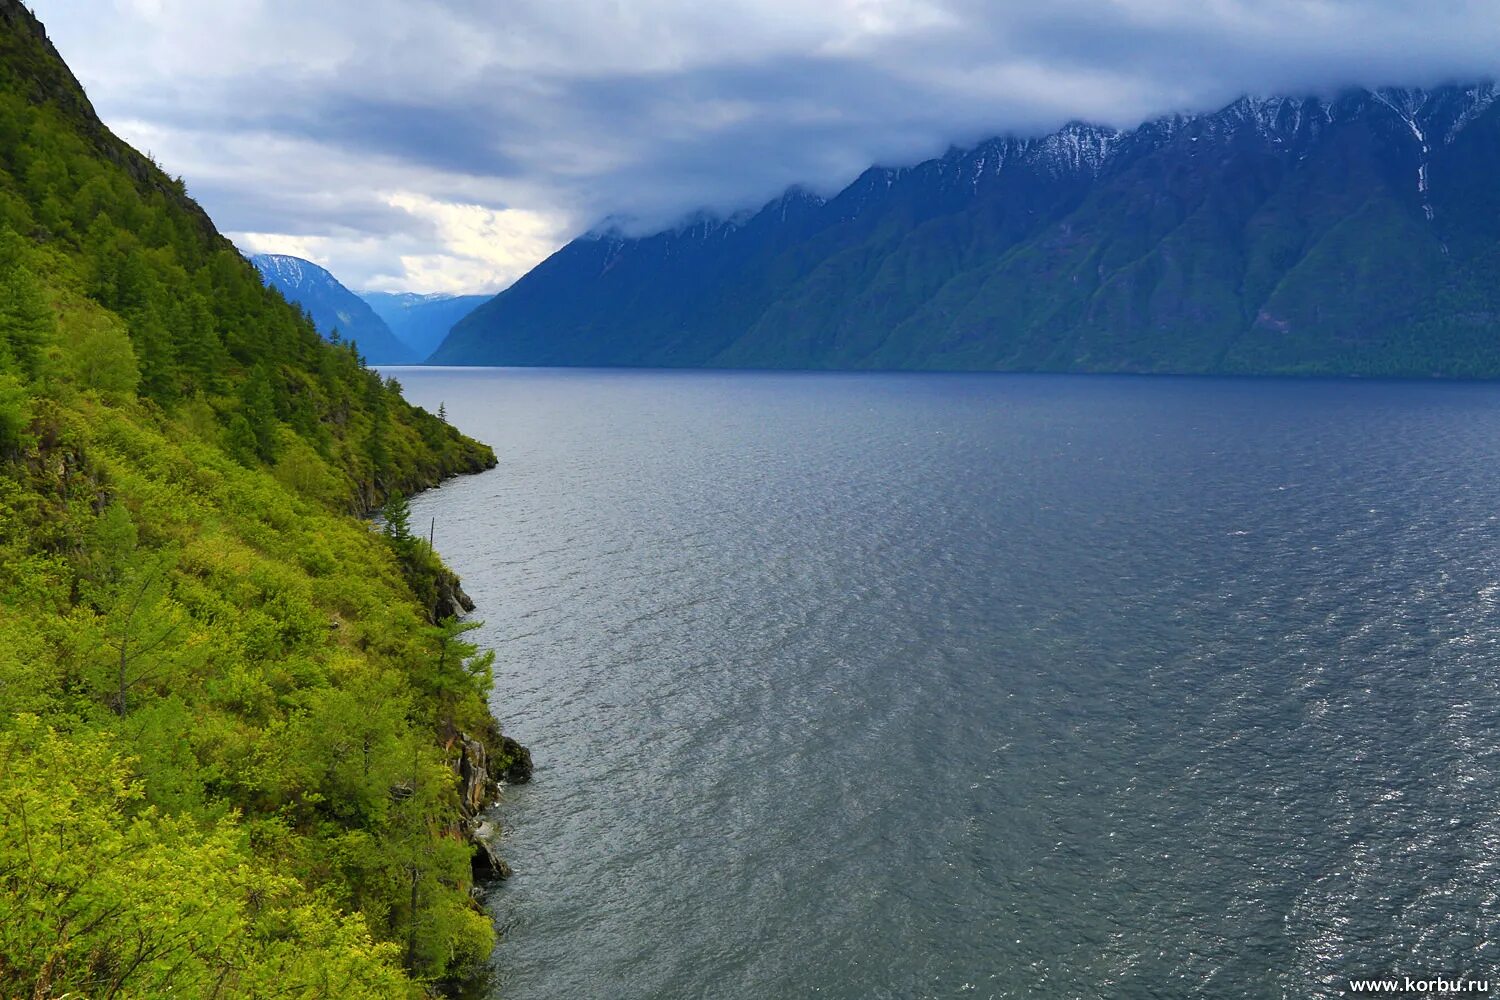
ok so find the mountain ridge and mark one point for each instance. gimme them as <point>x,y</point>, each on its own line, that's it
<point>334,309</point>
<point>1344,226</point>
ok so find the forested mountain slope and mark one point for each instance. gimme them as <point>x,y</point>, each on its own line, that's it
<point>229,714</point>
<point>1353,235</point>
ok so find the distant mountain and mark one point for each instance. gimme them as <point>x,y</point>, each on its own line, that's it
<point>333,307</point>
<point>422,321</point>
<point>1354,235</point>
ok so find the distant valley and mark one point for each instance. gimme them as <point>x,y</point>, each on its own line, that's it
<point>421,322</point>
<point>388,328</point>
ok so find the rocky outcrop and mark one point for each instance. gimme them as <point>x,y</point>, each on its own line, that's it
<point>487,862</point>
<point>451,600</point>
<point>479,774</point>
<point>475,786</point>
<point>514,764</point>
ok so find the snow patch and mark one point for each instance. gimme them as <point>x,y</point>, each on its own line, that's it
<point>1076,148</point>
<point>1408,104</point>
<point>282,269</point>
<point>1476,101</point>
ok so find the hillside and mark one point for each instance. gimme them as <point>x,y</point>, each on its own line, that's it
<point>1356,235</point>
<point>421,322</point>
<point>338,313</point>
<point>233,713</point>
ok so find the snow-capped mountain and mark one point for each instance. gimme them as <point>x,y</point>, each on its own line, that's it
<point>333,308</point>
<point>1357,233</point>
<point>422,321</point>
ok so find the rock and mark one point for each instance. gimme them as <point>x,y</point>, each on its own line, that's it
<point>478,773</point>
<point>451,601</point>
<point>487,862</point>
<point>475,786</point>
<point>515,762</point>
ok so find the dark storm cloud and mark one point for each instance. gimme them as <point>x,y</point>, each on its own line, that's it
<point>242,208</point>
<point>441,137</point>
<point>432,125</point>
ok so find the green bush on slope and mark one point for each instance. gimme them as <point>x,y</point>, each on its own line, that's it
<point>226,718</point>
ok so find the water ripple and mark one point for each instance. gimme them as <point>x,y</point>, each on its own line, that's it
<point>951,686</point>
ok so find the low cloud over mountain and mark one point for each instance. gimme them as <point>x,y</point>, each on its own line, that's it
<point>448,146</point>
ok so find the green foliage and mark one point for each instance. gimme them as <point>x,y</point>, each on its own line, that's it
<point>258,407</point>
<point>26,321</point>
<point>107,896</point>
<point>397,517</point>
<point>99,354</point>
<point>139,622</point>
<point>461,671</point>
<point>224,709</point>
<point>15,413</point>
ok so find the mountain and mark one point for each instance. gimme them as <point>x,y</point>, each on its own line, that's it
<point>421,322</point>
<point>333,308</point>
<point>242,740</point>
<point>1357,234</point>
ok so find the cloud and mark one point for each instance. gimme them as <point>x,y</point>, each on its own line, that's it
<point>480,245</point>
<point>451,144</point>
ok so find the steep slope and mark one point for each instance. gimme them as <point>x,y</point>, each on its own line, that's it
<point>1290,235</point>
<point>337,312</point>
<point>422,322</point>
<point>230,713</point>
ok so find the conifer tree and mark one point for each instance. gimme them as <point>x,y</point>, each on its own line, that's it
<point>258,407</point>
<point>397,517</point>
<point>200,350</point>
<point>26,319</point>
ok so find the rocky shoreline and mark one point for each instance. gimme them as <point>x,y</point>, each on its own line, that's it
<point>482,765</point>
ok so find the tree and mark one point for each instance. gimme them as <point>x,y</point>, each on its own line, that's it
<point>199,347</point>
<point>413,870</point>
<point>101,356</point>
<point>110,545</point>
<point>397,517</point>
<point>15,414</point>
<point>140,297</point>
<point>258,407</point>
<point>26,319</point>
<point>138,622</point>
<point>240,440</point>
<point>461,671</point>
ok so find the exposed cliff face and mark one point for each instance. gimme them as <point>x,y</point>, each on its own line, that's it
<point>451,600</point>
<point>1352,235</point>
<point>480,773</point>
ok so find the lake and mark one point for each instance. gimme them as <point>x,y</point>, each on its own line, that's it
<point>861,686</point>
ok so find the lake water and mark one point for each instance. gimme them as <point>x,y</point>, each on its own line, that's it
<point>862,686</point>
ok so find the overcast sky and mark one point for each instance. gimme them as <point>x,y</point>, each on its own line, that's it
<point>450,145</point>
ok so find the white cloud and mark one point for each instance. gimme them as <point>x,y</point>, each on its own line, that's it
<point>483,246</point>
